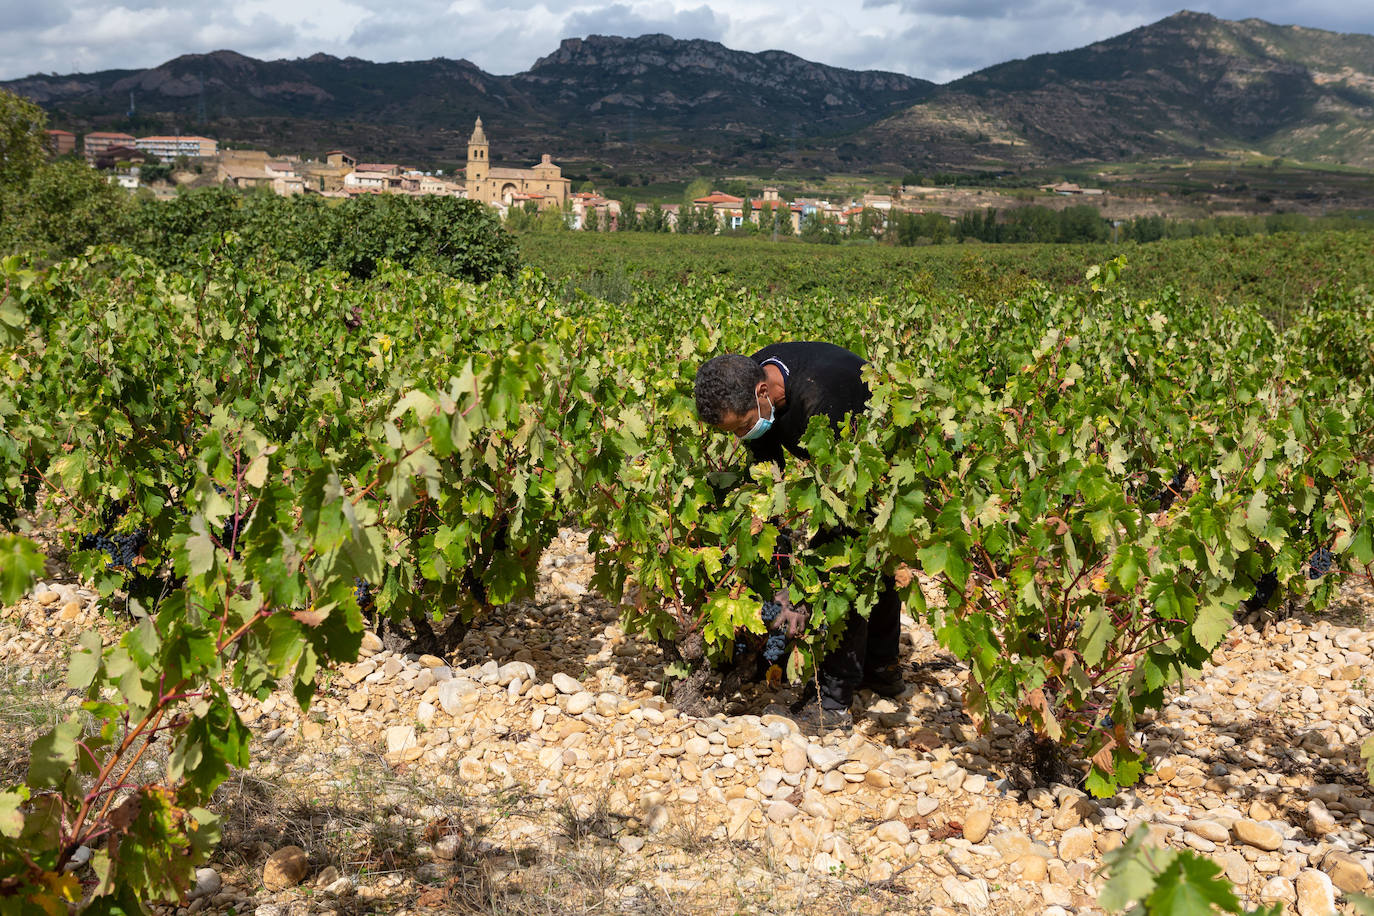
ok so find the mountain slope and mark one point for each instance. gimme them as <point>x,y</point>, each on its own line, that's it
<point>694,95</point>
<point>1186,84</point>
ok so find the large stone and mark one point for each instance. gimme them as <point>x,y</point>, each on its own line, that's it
<point>976,824</point>
<point>1320,821</point>
<point>1076,843</point>
<point>1237,868</point>
<point>340,888</point>
<point>287,867</point>
<point>893,832</point>
<point>1346,872</point>
<point>1033,868</point>
<point>514,671</point>
<point>1316,897</point>
<point>970,894</point>
<point>1260,836</point>
<point>1277,890</point>
<point>46,598</point>
<point>451,694</point>
<point>208,883</point>
<point>447,847</point>
<point>1200,843</point>
<point>566,684</point>
<point>793,757</point>
<point>781,811</point>
<point>823,758</point>
<point>399,738</point>
<point>1210,830</point>
<point>580,702</point>
<point>1072,812</point>
<point>1011,845</point>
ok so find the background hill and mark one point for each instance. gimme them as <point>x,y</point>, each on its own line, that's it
<point>1186,85</point>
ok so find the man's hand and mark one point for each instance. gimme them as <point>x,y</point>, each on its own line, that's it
<point>791,619</point>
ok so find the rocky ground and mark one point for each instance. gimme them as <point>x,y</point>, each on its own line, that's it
<point>542,771</point>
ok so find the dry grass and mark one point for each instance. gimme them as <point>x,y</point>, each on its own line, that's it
<point>32,700</point>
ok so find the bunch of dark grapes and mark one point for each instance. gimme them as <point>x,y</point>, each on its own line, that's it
<point>1173,489</point>
<point>1319,564</point>
<point>777,641</point>
<point>1265,587</point>
<point>362,593</point>
<point>773,648</point>
<point>122,547</point>
<point>769,612</point>
<point>354,319</point>
<point>233,527</point>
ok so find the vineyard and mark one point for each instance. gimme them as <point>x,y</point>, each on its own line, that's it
<point>1079,473</point>
<point>1274,272</point>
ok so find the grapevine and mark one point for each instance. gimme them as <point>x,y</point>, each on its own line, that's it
<point>1088,483</point>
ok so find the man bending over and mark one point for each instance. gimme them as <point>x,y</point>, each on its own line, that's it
<point>767,400</point>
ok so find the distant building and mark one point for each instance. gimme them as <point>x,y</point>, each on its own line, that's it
<point>61,142</point>
<point>543,184</point>
<point>97,142</point>
<point>237,173</point>
<point>433,184</point>
<point>586,205</point>
<point>286,181</point>
<point>168,148</point>
<point>727,209</point>
<point>1069,189</point>
<point>361,179</point>
<point>328,176</point>
<point>117,156</point>
<point>389,169</point>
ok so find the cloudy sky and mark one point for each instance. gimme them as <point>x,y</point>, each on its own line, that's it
<point>933,39</point>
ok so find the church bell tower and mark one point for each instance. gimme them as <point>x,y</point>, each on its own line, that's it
<point>477,160</point>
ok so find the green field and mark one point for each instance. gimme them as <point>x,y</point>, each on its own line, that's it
<point>1274,272</point>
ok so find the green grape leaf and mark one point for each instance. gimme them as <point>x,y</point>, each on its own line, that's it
<point>1214,620</point>
<point>53,755</point>
<point>1191,886</point>
<point>20,564</point>
<point>85,664</point>
<point>1096,633</point>
<point>1131,870</point>
<point>11,817</point>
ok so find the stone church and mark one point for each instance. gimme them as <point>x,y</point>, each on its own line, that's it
<point>544,184</point>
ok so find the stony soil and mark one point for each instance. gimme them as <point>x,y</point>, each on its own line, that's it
<point>543,772</point>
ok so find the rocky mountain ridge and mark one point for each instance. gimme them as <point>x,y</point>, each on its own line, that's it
<point>1189,84</point>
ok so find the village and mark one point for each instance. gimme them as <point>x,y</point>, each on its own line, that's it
<point>164,164</point>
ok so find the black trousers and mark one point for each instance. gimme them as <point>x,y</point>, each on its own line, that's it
<point>866,645</point>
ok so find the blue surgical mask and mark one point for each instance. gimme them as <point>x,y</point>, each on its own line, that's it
<point>761,425</point>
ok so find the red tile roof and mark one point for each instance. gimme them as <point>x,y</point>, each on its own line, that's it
<point>718,197</point>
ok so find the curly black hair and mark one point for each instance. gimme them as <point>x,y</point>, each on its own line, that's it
<point>725,384</point>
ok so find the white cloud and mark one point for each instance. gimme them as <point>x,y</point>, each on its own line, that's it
<point>934,39</point>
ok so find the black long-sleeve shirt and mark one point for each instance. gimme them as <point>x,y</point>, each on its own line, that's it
<point>820,379</point>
